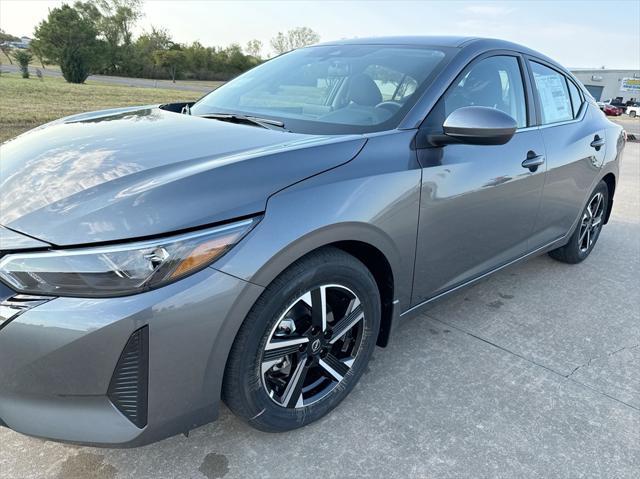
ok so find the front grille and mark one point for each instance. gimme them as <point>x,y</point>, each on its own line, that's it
<point>128,389</point>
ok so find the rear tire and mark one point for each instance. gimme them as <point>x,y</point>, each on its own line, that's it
<point>588,230</point>
<point>305,343</point>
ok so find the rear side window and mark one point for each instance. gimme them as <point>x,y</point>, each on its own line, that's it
<point>494,82</point>
<point>555,101</point>
<point>576,99</point>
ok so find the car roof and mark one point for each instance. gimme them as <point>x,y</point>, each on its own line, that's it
<point>433,41</point>
<point>475,43</point>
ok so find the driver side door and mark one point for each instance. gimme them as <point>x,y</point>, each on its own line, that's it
<point>478,203</point>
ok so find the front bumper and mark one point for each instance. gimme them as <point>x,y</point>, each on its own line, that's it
<point>57,360</point>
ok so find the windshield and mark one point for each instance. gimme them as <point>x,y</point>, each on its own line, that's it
<point>331,89</point>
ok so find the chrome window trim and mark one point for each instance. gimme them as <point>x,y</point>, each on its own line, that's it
<point>583,113</point>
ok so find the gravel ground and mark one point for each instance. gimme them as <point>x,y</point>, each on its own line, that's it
<point>534,372</point>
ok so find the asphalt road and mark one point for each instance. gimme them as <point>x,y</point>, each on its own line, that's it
<point>533,373</point>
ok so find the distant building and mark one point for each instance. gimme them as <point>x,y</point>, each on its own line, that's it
<point>610,84</point>
<point>22,44</point>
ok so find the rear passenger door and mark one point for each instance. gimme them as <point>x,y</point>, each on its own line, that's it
<point>571,135</point>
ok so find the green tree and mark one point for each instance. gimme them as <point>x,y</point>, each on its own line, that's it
<point>23,57</point>
<point>115,22</point>
<point>68,37</point>
<point>7,37</point>
<point>156,39</point>
<point>294,38</point>
<point>144,48</point>
<point>6,49</point>
<point>7,52</point>
<point>197,58</point>
<point>36,48</point>
<point>237,61</point>
<point>173,60</point>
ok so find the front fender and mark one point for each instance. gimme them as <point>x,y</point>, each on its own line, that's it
<point>379,210</point>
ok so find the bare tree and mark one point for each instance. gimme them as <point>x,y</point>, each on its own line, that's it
<point>301,37</point>
<point>254,47</point>
<point>294,38</point>
<point>280,43</point>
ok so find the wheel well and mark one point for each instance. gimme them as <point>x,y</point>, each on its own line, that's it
<point>381,270</point>
<point>610,180</point>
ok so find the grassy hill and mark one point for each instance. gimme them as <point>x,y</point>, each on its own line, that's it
<point>25,104</point>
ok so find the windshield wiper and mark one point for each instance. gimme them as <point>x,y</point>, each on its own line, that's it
<point>250,119</point>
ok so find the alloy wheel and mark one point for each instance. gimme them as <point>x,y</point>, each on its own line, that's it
<point>591,222</point>
<point>312,346</point>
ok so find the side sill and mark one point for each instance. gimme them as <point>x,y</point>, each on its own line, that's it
<point>543,249</point>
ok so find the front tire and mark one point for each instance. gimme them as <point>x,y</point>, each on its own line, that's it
<point>587,232</point>
<point>305,343</point>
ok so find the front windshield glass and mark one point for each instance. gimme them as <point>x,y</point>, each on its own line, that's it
<point>331,89</point>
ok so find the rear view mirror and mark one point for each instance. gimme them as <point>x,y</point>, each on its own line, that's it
<point>478,125</point>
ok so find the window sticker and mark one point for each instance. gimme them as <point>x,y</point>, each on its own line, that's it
<point>553,97</point>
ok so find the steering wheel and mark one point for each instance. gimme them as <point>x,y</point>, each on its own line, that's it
<point>390,106</point>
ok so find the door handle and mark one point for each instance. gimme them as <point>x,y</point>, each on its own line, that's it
<point>597,143</point>
<point>533,161</point>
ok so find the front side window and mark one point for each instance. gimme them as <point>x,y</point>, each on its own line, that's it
<point>495,82</point>
<point>555,102</point>
<point>332,89</point>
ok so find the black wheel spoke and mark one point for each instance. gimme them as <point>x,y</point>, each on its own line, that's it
<point>319,308</point>
<point>591,222</point>
<point>336,368</point>
<point>346,324</point>
<point>292,396</point>
<point>300,365</point>
<point>278,348</point>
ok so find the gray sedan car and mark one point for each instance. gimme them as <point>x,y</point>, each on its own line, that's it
<point>256,245</point>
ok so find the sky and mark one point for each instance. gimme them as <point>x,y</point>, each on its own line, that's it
<point>577,33</point>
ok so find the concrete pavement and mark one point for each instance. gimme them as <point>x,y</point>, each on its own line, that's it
<point>631,125</point>
<point>532,373</point>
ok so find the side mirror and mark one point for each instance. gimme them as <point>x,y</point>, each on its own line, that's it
<point>478,125</point>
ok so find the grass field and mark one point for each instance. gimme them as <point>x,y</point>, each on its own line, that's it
<point>25,104</point>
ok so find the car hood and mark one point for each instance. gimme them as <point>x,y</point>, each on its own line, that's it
<point>138,172</point>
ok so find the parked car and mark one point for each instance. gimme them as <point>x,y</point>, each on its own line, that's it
<point>616,103</point>
<point>633,110</point>
<point>611,110</point>
<point>260,244</point>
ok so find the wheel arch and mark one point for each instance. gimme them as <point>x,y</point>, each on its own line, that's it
<point>366,242</point>
<point>377,263</point>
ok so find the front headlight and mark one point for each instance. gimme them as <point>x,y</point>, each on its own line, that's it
<point>122,269</point>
